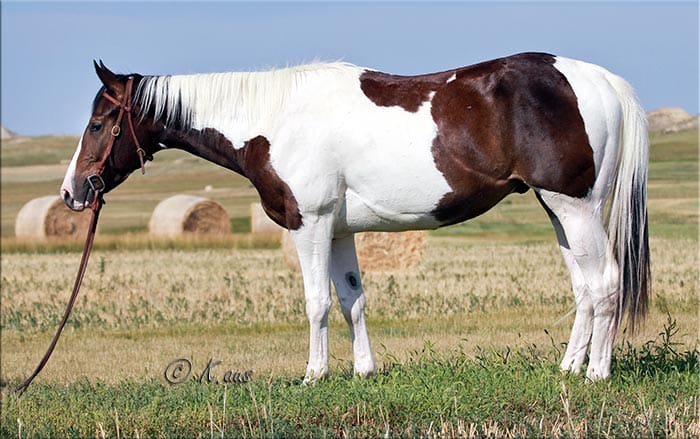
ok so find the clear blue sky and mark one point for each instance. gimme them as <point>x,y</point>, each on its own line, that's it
<point>48,80</point>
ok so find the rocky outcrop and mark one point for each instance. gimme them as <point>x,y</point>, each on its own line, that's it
<point>671,119</point>
<point>7,134</point>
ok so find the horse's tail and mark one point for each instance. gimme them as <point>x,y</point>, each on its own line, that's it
<point>627,217</point>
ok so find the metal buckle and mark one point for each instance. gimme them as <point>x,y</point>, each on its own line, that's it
<point>93,182</point>
<point>116,130</point>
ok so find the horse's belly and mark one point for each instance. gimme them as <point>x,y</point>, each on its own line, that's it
<point>391,213</point>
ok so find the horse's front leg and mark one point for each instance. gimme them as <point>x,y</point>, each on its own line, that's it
<point>346,278</point>
<point>313,243</point>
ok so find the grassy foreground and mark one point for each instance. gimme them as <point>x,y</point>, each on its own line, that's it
<point>506,393</point>
<point>467,345</point>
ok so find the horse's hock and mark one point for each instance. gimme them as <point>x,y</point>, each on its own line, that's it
<point>47,217</point>
<point>188,214</point>
<point>376,251</point>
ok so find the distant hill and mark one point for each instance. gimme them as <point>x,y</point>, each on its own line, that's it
<point>7,134</point>
<point>671,119</point>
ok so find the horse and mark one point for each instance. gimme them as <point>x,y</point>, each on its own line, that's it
<point>334,149</point>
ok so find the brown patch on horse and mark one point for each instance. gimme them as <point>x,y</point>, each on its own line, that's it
<point>503,126</point>
<point>252,161</point>
<point>276,197</point>
<point>407,92</point>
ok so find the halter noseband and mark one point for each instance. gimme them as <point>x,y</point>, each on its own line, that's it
<point>95,180</point>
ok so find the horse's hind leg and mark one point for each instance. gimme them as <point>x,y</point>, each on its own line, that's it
<point>577,348</point>
<point>348,286</point>
<point>594,274</point>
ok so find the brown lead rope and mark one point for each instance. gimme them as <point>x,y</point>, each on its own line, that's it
<point>96,206</point>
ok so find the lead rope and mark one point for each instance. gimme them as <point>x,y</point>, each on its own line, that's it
<point>95,207</point>
<point>97,185</point>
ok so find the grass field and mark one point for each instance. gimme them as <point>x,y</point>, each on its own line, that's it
<point>468,344</point>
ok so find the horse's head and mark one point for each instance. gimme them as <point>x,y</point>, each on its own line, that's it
<point>113,144</point>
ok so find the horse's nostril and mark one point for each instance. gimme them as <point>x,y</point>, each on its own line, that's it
<point>67,198</point>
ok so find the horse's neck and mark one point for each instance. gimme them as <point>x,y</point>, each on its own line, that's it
<point>216,115</point>
<point>208,144</point>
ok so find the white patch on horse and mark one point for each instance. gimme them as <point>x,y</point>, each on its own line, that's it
<point>451,78</point>
<point>334,151</point>
<point>68,185</point>
<point>594,93</point>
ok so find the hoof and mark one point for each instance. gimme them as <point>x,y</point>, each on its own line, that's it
<point>313,377</point>
<point>594,375</point>
<point>570,366</point>
<point>364,372</point>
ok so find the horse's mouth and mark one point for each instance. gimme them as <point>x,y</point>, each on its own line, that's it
<point>72,203</point>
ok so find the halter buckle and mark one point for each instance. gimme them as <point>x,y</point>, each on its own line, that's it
<point>116,130</point>
<point>96,183</point>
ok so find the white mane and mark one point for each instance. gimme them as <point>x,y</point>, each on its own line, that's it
<point>215,99</point>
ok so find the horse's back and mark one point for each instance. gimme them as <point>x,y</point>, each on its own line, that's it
<point>431,150</point>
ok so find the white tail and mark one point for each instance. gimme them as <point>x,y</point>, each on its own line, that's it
<point>627,217</point>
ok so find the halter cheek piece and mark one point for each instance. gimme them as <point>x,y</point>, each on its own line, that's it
<point>95,180</point>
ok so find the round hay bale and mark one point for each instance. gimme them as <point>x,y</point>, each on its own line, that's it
<point>376,251</point>
<point>382,251</point>
<point>47,217</point>
<point>261,224</point>
<point>187,214</point>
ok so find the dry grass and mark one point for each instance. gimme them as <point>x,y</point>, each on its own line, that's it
<point>140,309</point>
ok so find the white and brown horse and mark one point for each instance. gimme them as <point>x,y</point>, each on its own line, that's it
<point>335,149</point>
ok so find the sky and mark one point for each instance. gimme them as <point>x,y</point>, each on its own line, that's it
<point>47,48</point>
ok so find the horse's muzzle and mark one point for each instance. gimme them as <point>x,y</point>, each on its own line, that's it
<point>70,202</point>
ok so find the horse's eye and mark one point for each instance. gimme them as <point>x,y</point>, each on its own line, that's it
<point>95,127</point>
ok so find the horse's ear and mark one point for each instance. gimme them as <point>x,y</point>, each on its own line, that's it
<point>108,78</point>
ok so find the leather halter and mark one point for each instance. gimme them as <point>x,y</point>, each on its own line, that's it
<point>125,107</point>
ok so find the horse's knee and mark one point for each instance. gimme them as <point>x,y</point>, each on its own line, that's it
<point>317,308</point>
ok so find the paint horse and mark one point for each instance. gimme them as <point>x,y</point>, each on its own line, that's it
<point>334,149</point>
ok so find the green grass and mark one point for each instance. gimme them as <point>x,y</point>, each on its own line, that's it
<point>506,392</point>
<point>40,150</point>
